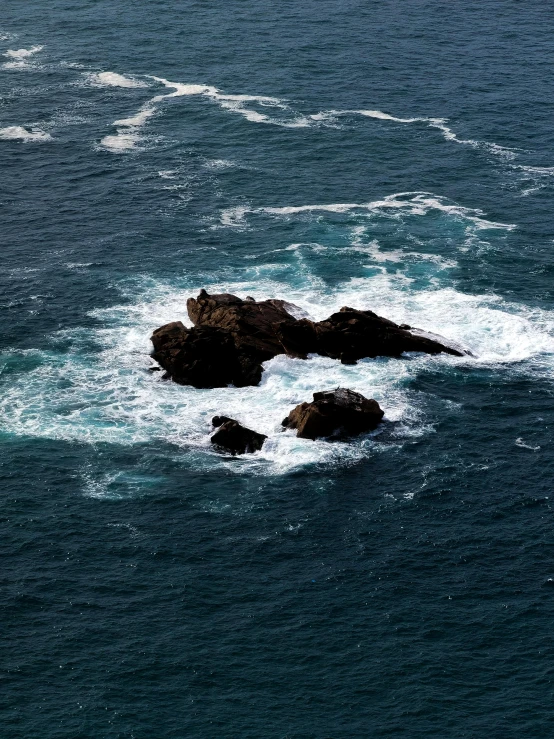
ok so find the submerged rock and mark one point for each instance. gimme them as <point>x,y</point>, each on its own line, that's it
<point>235,438</point>
<point>232,337</point>
<point>334,413</point>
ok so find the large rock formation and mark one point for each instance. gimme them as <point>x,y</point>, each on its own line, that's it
<point>235,438</point>
<point>204,357</point>
<point>251,324</point>
<point>232,337</point>
<point>334,413</point>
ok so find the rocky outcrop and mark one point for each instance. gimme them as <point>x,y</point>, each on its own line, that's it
<point>232,337</point>
<point>334,413</point>
<point>204,357</point>
<point>234,438</point>
<point>252,324</point>
<point>352,334</point>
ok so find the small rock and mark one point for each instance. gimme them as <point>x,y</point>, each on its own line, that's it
<point>220,420</point>
<point>235,438</point>
<point>334,413</point>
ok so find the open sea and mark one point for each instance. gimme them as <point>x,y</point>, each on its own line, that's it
<point>391,156</point>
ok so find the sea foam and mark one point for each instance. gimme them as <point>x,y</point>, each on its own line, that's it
<point>439,123</point>
<point>128,134</point>
<point>110,397</point>
<point>411,203</point>
<point>20,58</point>
<point>20,133</point>
<point>107,395</point>
<point>263,112</point>
<point>113,79</point>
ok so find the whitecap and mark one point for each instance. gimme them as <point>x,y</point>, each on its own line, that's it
<point>113,79</point>
<point>19,58</point>
<point>20,133</point>
<point>120,141</point>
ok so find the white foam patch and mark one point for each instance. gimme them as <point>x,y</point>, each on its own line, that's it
<point>112,79</point>
<point>109,396</point>
<point>404,203</point>
<point>219,163</point>
<point>91,396</point>
<point>523,445</point>
<point>121,141</point>
<point>20,58</point>
<point>19,133</point>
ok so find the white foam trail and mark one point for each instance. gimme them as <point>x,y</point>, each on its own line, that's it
<point>438,123</point>
<point>184,89</point>
<point>128,136</point>
<point>128,129</point>
<point>234,103</point>
<point>112,79</point>
<point>502,151</point>
<point>547,171</point>
<point>538,177</point>
<point>23,134</point>
<point>447,132</point>
<point>523,445</point>
<point>413,203</point>
<point>19,57</point>
<point>240,104</point>
<point>121,141</point>
<point>386,117</point>
<point>137,120</point>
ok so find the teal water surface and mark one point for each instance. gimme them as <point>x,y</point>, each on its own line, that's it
<point>389,156</point>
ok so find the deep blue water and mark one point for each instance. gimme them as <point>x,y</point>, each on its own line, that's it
<point>389,156</point>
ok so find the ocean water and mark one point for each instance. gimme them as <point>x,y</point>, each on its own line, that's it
<point>389,156</point>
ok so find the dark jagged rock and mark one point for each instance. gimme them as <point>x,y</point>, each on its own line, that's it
<point>235,438</point>
<point>252,324</point>
<point>339,412</point>
<point>352,334</point>
<point>205,357</point>
<point>232,337</point>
